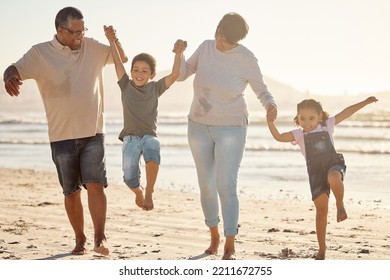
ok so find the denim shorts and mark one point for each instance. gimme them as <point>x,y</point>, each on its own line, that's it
<point>132,149</point>
<point>79,162</point>
<point>318,170</point>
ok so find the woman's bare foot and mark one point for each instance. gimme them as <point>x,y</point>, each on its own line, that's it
<point>214,245</point>
<point>229,250</point>
<point>80,249</point>
<point>139,196</point>
<point>229,255</point>
<point>101,248</point>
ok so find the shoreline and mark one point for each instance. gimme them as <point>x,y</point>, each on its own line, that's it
<point>34,226</point>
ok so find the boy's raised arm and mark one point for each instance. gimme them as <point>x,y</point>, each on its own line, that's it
<point>119,67</point>
<point>178,49</point>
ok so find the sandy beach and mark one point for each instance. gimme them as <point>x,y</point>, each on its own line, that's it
<point>34,226</point>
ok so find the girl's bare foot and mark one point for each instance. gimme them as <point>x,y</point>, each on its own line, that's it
<point>320,256</point>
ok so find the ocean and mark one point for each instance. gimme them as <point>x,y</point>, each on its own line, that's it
<point>269,168</point>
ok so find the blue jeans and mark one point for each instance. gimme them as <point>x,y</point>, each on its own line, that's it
<point>132,149</point>
<point>217,152</point>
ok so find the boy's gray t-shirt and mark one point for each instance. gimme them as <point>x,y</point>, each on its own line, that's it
<point>140,107</point>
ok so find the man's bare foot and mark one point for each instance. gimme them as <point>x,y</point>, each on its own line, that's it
<point>341,214</point>
<point>213,249</point>
<point>101,248</point>
<point>139,196</point>
<point>79,249</point>
<point>229,255</point>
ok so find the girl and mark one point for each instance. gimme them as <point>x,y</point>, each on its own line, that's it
<point>326,167</point>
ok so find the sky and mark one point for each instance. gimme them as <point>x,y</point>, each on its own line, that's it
<point>324,47</point>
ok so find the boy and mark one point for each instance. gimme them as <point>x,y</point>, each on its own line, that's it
<point>140,101</point>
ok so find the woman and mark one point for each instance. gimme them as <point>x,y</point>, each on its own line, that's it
<point>218,121</point>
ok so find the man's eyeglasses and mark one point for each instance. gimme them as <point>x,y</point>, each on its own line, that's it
<point>76,33</point>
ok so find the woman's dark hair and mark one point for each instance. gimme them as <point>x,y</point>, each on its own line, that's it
<point>146,58</point>
<point>311,104</point>
<point>233,27</point>
<point>66,14</point>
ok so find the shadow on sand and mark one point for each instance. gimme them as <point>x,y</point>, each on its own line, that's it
<point>56,257</point>
<point>201,256</point>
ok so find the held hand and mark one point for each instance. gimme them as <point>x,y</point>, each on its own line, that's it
<point>180,46</point>
<point>12,85</point>
<point>272,112</point>
<point>110,33</point>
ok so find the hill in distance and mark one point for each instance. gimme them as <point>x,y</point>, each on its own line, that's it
<point>178,98</point>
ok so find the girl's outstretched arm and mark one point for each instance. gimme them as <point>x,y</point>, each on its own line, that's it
<point>349,111</point>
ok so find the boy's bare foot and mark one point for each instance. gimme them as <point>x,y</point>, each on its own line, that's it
<point>139,196</point>
<point>101,248</point>
<point>148,202</point>
<point>213,249</point>
<point>341,214</point>
<point>79,249</point>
